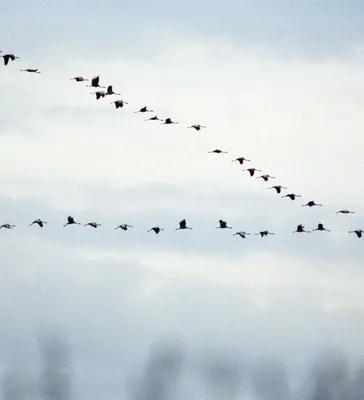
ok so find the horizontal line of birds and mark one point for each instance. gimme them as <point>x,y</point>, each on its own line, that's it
<point>183,226</point>
<point>95,82</point>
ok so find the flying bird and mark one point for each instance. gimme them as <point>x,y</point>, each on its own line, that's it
<point>264,233</point>
<point>196,126</point>
<point>344,212</point>
<point>292,196</point>
<point>95,82</point>
<point>119,103</point>
<point>252,171</point>
<point>241,160</point>
<point>109,91</point>
<point>320,227</point>
<point>223,225</point>
<point>38,222</point>
<point>278,188</point>
<point>71,221</point>
<point>124,227</point>
<point>93,224</point>
<point>7,226</point>
<point>242,234</point>
<point>99,94</point>
<point>217,151</point>
<point>182,225</point>
<point>300,229</point>
<point>8,57</point>
<point>79,79</point>
<point>168,121</point>
<point>143,110</point>
<point>311,203</point>
<point>358,232</point>
<point>155,118</point>
<point>33,70</point>
<point>265,177</point>
<point>156,229</point>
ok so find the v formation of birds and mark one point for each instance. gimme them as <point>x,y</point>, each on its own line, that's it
<point>182,225</point>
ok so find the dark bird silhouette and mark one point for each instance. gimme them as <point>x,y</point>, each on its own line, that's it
<point>358,233</point>
<point>110,91</point>
<point>99,94</point>
<point>278,188</point>
<point>241,160</point>
<point>198,127</point>
<point>344,212</point>
<point>265,177</point>
<point>7,226</point>
<point>8,57</point>
<point>311,203</point>
<point>33,70</point>
<point>124,227</point>
<point>95,82</point>
<point>93,224</point>
<point>217,151</point>
<point>292,196</point>
<point>264,233</point>
<point>300,229</point>
<point>38,222</point>
<point>183,225</point>
<point>223,225</point>
<point>252,171</point>
<point>242,234</point>
<point>119,103</point>
<point>168,121</point>
<point>155,118</point>
<point>320,227</point>
<point>143,110</point>
<point>71,221</point>
<point>156,229</point>
<point>79,79</point>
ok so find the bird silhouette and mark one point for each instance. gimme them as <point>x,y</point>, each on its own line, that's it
<point>265,177</point>
<point>344,212</point>
<point>358,233</point>
<point>242,234</point>
<point>278,188</point>
<point>168,121</point>
<point>124,227</point>
<point>32,70</point>
<point>79,79</point>
<point>7,226</point>
<point>197,127</point>
<point>38,222</point>
<point>110,91</point>
<point>156,229</point>
<point>155,118</point>
<point>264,233</point>
<point>292,196</point>
<point>223,225</point>
<point>241,160</point>
<point>311,203</point>
<point>217,151</point>
<point>182,225</point>
<point>300,229</point>
<point>95,82</point>
<point>93,224</point>
<point>8,57</point>
<point>71,221</point>
<point>252,171</point>
<point>320,227</point>
<point>143,110</point>
<point>119,103</point>
<point>99,94</point>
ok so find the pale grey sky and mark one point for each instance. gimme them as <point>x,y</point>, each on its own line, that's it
<point>279,84</point>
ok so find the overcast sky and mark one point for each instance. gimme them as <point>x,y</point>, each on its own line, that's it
<point>280,83</point>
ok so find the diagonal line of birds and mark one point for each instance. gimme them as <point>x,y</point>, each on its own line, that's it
<point>182,225</point>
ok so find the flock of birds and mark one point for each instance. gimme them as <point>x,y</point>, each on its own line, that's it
<point>119,103</point>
